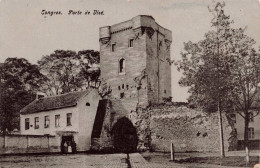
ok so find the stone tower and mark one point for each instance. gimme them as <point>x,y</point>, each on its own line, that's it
<point>135,61</point>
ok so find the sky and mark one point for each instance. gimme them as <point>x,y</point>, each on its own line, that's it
<point>26,33</point>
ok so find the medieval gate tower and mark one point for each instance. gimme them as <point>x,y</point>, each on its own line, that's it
<point>135,61</point>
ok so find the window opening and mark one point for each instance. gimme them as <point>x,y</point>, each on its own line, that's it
<point>36,122</point>
<point>69,116</point>
<point>122,95</point>
<point>113,46</point>
<point>57,120</point>
<point>251,133</point>
<point>122,65</point>
<point>27,123</point>
<point>46,122</point>
<point>131,43</point>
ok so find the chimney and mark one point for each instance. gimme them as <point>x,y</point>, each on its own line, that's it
<point>39,95</point>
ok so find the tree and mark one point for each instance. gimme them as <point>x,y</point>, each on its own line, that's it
<point>212,68</point>
<point>19,81</point>
<point>69,71</point>
<point>19,68</point>
<point>245,72</point>
<point>88,72</point>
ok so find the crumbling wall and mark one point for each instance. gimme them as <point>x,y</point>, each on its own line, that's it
<point>188,129</point>
<point>101,135</point>
<point>113,110</point>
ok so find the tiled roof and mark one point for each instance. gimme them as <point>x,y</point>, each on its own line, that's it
<point>54,102</point>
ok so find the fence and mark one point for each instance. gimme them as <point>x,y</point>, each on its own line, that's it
<point>17,144</point>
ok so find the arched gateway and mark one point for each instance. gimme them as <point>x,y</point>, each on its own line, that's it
<point>124,136</point>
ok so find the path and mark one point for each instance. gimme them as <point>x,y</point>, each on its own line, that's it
<point>134,160</point>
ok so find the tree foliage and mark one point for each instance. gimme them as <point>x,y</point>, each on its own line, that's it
<point>222,70</point>
<point>69,71</point>
<point>19,80</point>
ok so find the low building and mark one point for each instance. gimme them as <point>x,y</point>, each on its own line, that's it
<point>70,117</point>
<point>253,130</point>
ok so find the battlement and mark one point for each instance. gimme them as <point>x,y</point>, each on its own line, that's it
<point>140,21</point>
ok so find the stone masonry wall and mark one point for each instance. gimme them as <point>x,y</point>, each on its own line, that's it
<point>146,78</point>
<point>158,67</point>
<point>188,129</point>
<point>135,64</point>
<point>113,111</point>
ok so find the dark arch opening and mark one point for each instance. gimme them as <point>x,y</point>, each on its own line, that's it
<point>124,136</point>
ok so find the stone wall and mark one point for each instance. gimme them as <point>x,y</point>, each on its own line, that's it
<point>158,67</point>
<point>101,136</point>
<point>109,112</point>
<point>147,76</point>
<point>188,129</point>
<point>157,127</point>
<point>135,63</point>
<point>28,144</point>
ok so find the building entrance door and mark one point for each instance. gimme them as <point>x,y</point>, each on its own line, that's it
<point>68,144</point>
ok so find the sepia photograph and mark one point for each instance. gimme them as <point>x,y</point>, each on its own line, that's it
<point>130,84</point>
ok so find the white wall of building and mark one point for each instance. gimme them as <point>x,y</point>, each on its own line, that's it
<point>51,129</point>
<point>240,126</point>
<point>87,117</point>
<point>83,118</point>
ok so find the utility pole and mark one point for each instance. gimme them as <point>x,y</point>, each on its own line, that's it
<point>215,9</point>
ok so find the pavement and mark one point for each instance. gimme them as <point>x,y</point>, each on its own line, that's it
<point>134,160</point>
<point>120,160</point>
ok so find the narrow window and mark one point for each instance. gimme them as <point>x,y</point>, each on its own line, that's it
<point>131,43</point>
<point>251,117</point>
<point>46,122</point>
<point>251,133</point>
<point>165,91</point>
<point>123,86</point>
<point>127,87</point>
<point>57,120</point>
<point>113,47</point>
<point>27,123</point>
<point>119,88</point>
<point>36,122</point>
<point>69,116</point>
<point>122,65</point>
<point>122,95</point>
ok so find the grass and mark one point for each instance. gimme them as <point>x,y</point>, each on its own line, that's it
<point>238,161</point>
<point>227,161</point>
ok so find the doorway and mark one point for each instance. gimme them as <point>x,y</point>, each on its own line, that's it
<point>68,144</point>
<point>124,136</point>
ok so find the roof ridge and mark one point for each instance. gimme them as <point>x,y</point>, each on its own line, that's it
<point>63,94</point>
<point>55,102</point>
